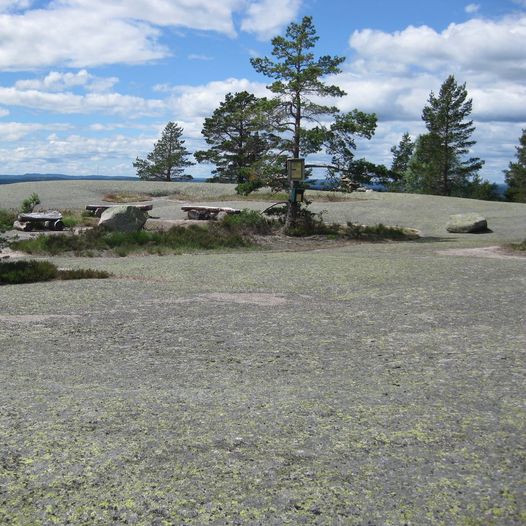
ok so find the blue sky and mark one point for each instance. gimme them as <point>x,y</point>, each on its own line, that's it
<point>88,85</point>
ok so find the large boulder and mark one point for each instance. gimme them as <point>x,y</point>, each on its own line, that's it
<point>123,218</point>
<point>467,224</point>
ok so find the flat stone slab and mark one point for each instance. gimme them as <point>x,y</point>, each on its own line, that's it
<point>207,212</point>
<point>97,210</point>
<point>28,221</point>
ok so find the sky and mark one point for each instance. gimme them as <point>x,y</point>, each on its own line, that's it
<point>86,86</point>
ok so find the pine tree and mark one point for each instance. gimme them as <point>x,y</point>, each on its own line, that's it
<point>298,77</point>
<point>445,117</point>
<point>168,158</point>
<point>239,135</point>
<point>402,154</point>
<point>515,175</point>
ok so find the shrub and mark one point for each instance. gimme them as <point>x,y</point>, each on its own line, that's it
<point>29,203</point>
<point>519,246</point>
<point>7,218</point>
<point>82,273</point>
<point>377,232</point>
<point>178,238</point>
<point>248,221</point>
<point>17,272</point>
<point>14,272</point>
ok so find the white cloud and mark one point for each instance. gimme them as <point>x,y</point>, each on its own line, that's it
<point>196,102</point>
<point>4,112</point>
<point>15,131</point>
<point>472,8</point>
<point>209,15</point>
<point>79,39</point>
<point>477,46</point>
<point>266,18</point>
<point>57,81</point>
<point>68,103</point>
<point>88,33</point>
<point>392,74</point>
<point>74,154</point>
<point>14,5</point>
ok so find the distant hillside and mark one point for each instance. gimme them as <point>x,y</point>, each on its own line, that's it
<point>33,177</point>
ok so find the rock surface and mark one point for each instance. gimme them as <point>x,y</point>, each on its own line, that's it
<point>466,223</point>
<point>123,218</point>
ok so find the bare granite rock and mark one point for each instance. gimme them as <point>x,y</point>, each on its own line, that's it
<point>123,218</point>
<point>467,224</point>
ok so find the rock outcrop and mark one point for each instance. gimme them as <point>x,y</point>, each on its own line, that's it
<point>123,218</point>
<point>467,224</point>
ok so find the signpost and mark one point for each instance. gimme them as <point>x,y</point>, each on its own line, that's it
<point>296,175</point>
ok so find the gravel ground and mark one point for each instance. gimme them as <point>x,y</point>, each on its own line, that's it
<point>367,384</point>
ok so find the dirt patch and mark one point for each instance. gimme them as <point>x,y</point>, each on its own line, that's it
<point>494,252</point>
<point>253,298</point>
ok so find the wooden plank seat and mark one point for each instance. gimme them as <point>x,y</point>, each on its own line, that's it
<point>207,212</point>
<point>97,210</point>
<point>28,221</point>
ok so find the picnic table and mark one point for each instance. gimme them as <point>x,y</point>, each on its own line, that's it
<point>51,220</point>
<point>97,210</point>
<point>207,212</point>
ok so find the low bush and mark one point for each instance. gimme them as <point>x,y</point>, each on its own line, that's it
<point>97,240</point>
<point>14,272</point>
<point>7,218</point>
<point>248,222</point>
<point>519,246</point>
<point>377,232</point>
<point>29,203</point>
<point>17,272</point>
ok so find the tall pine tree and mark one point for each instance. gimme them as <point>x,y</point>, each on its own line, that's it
<point>402,154</point>
<point>298,79</point>
<point>446,118</point>
<point>515,175</point>
<point>168,158</point>
<point>239,137</point>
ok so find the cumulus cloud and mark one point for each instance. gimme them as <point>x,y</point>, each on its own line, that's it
<point>392,74</point>
<point>58,81</point>
<point>486,54</point>
<point>69,103</point>
<point>476,46</point>
<point>14,5</point>
<point>79,39</point>
<point>196,102</point>
<point>266,18</point>
<point>72,153</point>
<point>88,33</point>
<point>15,131</point>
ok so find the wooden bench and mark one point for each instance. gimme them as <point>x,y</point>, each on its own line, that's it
<point>207,212</point>
<point>97,210</point>
<point>51,220</point>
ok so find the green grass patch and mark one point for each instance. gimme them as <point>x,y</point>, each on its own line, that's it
<point>519,246</point>
<point>126,197</point>
<point>73,218</point>
<point>17,272</point>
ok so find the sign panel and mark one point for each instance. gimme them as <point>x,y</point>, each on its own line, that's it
<point>296,169</point>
